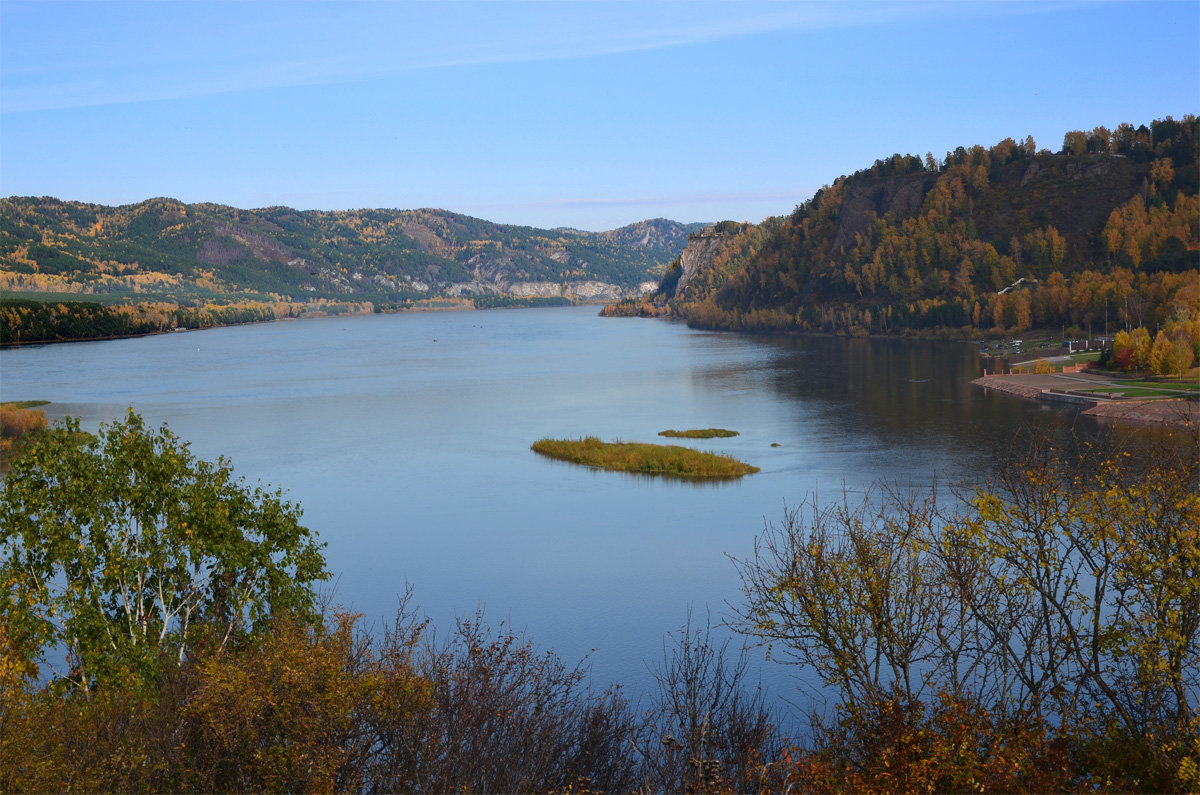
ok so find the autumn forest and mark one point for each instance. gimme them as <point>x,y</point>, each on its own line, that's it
<point>1094,237</point>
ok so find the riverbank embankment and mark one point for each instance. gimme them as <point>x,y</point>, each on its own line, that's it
<point>1087,390</point>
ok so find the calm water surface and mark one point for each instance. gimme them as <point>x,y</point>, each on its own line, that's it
<point>406,440</point>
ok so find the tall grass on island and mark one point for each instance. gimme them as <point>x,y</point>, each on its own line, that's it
<point>652,459</point>
<point>699,433</point>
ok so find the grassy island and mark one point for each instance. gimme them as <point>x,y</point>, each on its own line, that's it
<point>699,433</point>
<point>653,459</point>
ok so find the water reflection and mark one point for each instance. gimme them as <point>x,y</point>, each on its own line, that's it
<point>908,393</point>
<point>411,456</point>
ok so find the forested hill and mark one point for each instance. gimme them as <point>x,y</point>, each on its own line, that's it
<point>162,246</point>
<point>984,240</point>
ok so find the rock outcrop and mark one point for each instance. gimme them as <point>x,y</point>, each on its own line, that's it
<point>695,257</point>
<point>876,198</point>
<point>591,292</point>
<point>584,292</point>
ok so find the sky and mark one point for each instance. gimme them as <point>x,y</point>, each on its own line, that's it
<point>589,115</point>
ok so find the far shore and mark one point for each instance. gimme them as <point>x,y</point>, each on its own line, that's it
<point>24,343</point>
<point>450,306</point>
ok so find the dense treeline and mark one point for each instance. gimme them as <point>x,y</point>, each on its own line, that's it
<point>1089,303</point>
<point>35,321</point>
<point>1042,634</point>
<point>1170,352</point>
<point>494,301</point>
<point>999,239</point>
<point>25,321</point>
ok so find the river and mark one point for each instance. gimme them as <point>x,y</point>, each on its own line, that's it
<point>406,440</point>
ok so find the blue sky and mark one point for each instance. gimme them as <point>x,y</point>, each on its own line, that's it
<point>590,115</point>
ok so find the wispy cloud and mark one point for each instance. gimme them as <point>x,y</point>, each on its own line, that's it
<point>58,55</point>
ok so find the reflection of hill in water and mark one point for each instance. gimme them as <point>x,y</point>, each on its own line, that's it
<point>905,391</point>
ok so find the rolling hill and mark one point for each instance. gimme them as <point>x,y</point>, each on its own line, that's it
<point>164,248</point>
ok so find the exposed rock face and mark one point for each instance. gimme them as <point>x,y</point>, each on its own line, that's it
<point>594,292</point>
<point>1088,170</point>
<point>491,267</point>
<point>1031,171</point>
<point>459,289</point>
<point>901,195</point>
<point>536,290</point>
<point>694,258</point>
<point>419,229</point>
<point>583,292</point>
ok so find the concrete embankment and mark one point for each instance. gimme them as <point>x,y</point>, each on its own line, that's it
<point>1173,413</point>
<point>1104,406</point>
<point>1010,386</point>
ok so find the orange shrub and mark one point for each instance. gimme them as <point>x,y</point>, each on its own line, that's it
<point>15,424</point>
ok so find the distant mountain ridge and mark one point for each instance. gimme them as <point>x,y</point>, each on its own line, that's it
<point>163,246</point>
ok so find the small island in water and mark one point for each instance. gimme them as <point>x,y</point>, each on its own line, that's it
<point>651,459</point>
<point>699,433</point>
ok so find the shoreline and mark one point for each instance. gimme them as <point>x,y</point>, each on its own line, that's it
<point>1166,412</point>
<point>318,315</point>
<point>56,341</point>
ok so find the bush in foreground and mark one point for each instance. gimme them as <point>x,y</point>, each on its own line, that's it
<point>1057,607</point>
<point>1044,635</point>
<point>331,708</point>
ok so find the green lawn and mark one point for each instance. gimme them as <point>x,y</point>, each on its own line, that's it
<point>1143,389</point>
<point>1177,386</point>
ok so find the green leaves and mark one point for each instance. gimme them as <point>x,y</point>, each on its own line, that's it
<point>120,545</point>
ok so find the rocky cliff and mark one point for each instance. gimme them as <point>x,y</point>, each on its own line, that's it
<point>695,258</point>
<point>865,201</point>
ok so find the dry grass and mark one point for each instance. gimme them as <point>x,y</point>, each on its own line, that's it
<point>654,459</point>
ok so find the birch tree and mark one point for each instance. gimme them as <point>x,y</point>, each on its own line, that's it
<point>119,549</point>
